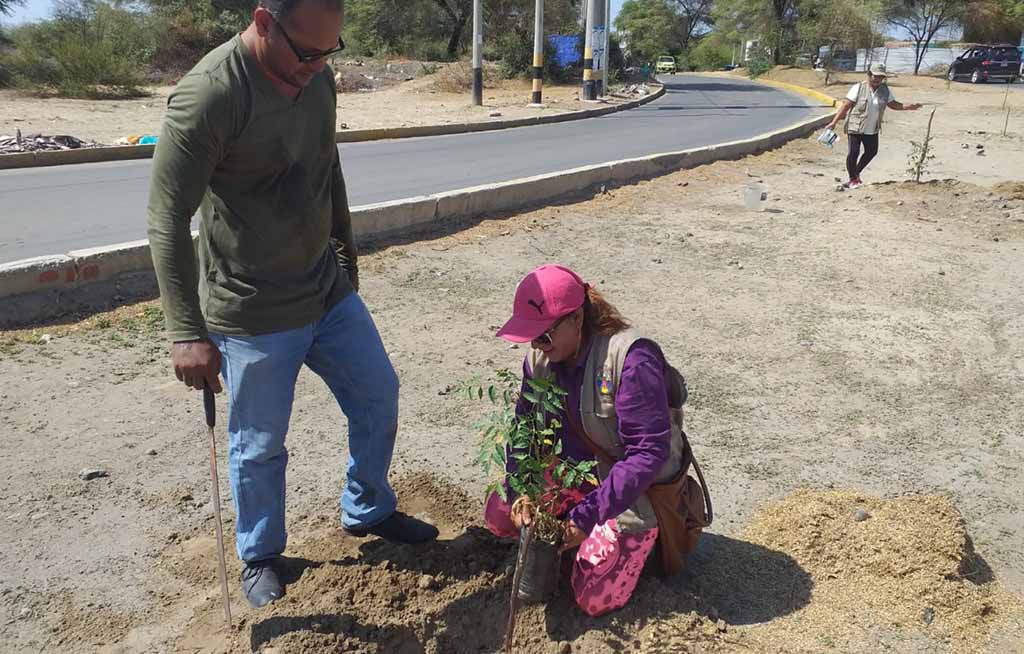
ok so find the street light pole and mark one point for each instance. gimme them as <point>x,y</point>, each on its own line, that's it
<point>606,67</point>
<point>589,92</point>
<point>478,63</point>
<point>538,54</point>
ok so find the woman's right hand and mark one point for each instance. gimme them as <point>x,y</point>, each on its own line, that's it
<point>522,512</point>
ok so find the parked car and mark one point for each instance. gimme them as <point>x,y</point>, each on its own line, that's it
<point>665,64</point>
<point>987,62</point>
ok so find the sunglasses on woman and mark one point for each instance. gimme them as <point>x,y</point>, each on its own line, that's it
<point>545,338</point>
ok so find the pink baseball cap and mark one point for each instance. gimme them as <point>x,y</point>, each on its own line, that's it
<point>544,296</point>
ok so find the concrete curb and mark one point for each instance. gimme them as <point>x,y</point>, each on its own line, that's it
<point>827,100</point>
<point>43,288</point>
<point>128,152</point>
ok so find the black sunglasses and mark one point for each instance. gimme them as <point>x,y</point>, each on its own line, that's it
<point>305,58</point>
<point>545,338</point>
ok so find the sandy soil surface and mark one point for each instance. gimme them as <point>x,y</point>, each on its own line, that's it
<point>426,99</point>
<point>965,114</point>
<point>845,350</point>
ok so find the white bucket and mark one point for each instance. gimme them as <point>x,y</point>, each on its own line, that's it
<point>755,197</point>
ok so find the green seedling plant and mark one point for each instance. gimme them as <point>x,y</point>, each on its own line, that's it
<point>529,436</point>
<point>921,153</point>
<point>530,439</point>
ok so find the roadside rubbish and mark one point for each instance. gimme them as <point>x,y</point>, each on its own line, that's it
<point>755,197</point>
<point>633,91</point>
<point>137,139</point>
<point>35,142</point>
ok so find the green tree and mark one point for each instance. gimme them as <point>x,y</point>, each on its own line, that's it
<point>712,52</point>
<point>837,25</point>
<point>457,13</point>
<point>504,16</point>
<point>994,21</point>
<point>773,23</point>
<point>89,49</point>
<point>922,20</point>
<point>440,29</point>
<point>696,16</point>
<point>188,29</point>
<point>7,6</point>
<point>414,28</point>
<point>650,28</point>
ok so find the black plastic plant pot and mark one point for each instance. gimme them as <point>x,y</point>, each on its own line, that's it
<point>538,577</point>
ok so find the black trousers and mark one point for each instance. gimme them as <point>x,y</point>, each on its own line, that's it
<point>855,162</point>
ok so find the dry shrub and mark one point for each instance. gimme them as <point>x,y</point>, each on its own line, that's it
<point>454,78</point>
<point>347,81</point>
<point>458,78</point>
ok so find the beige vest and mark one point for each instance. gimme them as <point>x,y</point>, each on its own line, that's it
<point>598,418</point>
<point>857,118</point>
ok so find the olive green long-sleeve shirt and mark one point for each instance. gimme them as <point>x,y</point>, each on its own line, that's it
<point>265,170</point>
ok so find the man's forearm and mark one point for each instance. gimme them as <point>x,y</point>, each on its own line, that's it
<point>174,260</point>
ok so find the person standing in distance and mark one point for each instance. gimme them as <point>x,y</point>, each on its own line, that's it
<point>863,110</point>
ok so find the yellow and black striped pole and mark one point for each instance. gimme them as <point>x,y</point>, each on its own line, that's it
<point>606,56</point>
<point>538,54</point>
<point>589,90</point>
<point>478,61</point>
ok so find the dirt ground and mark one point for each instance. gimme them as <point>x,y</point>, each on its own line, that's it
<point>403,97</point>
<point>965,115</point>
<point>845,350</point>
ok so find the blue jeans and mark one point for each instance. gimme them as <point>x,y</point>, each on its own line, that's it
<point>259,372</point>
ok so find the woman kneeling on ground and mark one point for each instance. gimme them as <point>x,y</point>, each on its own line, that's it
<point>618,388</point>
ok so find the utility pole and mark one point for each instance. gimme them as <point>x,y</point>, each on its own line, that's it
<point>478,63</point>
<point>538,54</point>
<point>589,91</point>
<point>599,25</point>
<point>607,47</point>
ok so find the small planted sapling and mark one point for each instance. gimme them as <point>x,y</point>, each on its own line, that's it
<point>519,438</point>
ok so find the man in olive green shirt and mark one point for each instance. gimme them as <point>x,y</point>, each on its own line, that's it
<point>249,138</point>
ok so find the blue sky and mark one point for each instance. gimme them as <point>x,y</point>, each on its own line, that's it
<point>39,9</point>
<point>32,10</point>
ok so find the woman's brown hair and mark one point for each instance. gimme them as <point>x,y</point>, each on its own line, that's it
<point>600,318</point>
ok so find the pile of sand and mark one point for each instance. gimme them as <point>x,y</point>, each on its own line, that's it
<point>815,572</point>
<point>885,572</point>
<point>1010,190</point>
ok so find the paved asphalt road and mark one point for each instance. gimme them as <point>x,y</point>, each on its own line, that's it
<point>55,210</point>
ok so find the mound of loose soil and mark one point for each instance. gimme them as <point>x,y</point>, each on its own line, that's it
<point>885,572</point>
<point>1010,190</point>
<point>817,571</point>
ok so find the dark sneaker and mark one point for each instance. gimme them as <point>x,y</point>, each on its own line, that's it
<point>260,583</point>
<point>398,528</point>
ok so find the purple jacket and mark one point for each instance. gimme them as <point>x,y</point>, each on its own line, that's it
<point>641,404</point>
